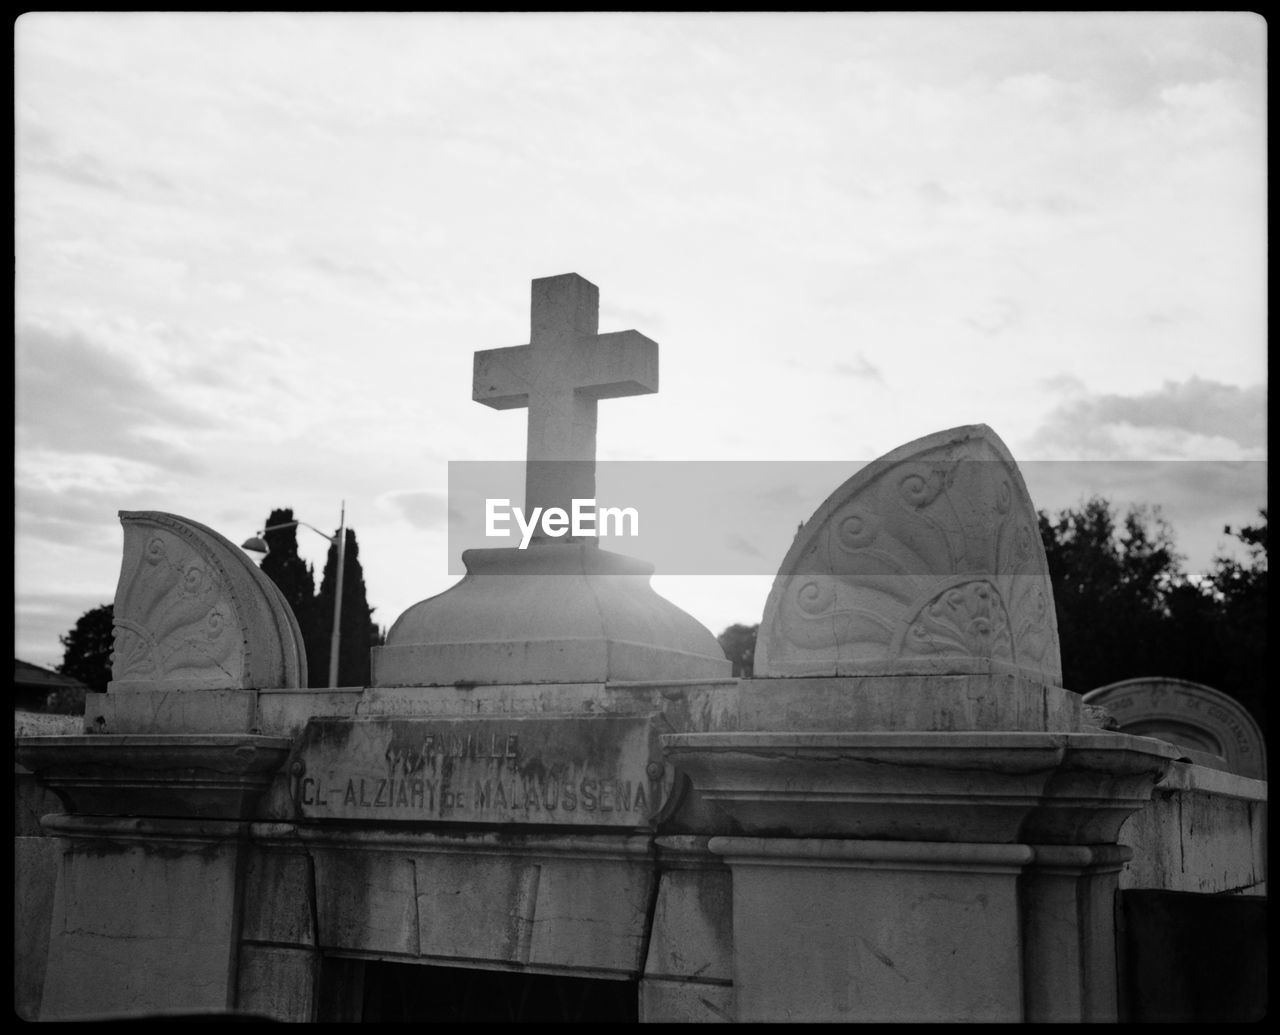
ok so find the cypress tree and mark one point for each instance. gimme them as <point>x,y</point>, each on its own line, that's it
<point>358,631</point>
<point>291,573</point>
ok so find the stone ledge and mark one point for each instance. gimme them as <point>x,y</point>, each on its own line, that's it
<point>281,711</point>
<point>206,776</point>
<point>130,828</point>
<point>606,844</point>
<point>683,704</point>
<point>130,710</point>
<point>1188,776</point>
<point>986,697</point>
<point>895,855</point>
<point>939,666</point>
<point>1050,788</point>
<point>285,711</point>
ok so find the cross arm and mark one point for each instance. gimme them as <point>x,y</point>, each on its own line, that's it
<point>617,364</point>
<point>500,377</point>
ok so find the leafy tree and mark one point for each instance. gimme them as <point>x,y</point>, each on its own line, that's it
<point>358,632</point>
<point>1239,591</point>
<point>1112,586</point>
<point>86,653</point>
<point>288,571</point>
<point>1126,608</point>
<point>739,645</point>
<point>1244,585</point>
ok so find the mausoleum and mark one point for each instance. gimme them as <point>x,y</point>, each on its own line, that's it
<point>554,801</point>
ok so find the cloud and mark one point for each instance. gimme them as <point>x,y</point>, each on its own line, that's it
<point>41,150</point>
<point>76,515</point>
<point>1198,405</point>
<point>933,193</point>
<point>783,496</point>
<point>82,169</point>
<point>426,510</point>
<point>1196,497</point>
<point>339,268</point>
<point>997,316</point>
<point>1065,384</point>
<point>75,397</point>
<point>737,544</point>
<point>621,317</point>
<point>860,368</point>
<point>1181,418</point>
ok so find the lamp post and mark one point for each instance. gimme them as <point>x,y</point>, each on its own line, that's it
<point>256,544</point>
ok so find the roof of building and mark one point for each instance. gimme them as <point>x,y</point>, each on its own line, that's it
<point>27,674</point>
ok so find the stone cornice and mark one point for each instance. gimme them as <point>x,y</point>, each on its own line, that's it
<point>208,776</point>
<point>974,787</point>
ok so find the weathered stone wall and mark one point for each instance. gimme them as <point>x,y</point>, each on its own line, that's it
<point>35,860</point>
<point>147,910</point>
<point>1204,831</point>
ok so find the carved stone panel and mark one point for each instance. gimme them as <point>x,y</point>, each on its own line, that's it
<point>193,612</point>
<point>927,559</point>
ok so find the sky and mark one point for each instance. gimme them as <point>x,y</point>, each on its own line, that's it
<point>256,253</point>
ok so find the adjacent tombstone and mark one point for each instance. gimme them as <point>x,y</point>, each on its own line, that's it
<point>1205,831</point>
<point>1215,729</point>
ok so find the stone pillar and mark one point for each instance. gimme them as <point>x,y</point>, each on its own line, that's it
<point>1068,932</point>
<point>279,963</point>
<point>688,970</point>
<point>832,930</point>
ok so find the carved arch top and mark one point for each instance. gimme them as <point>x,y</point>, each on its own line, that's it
<point>927,559</point>
<point>193,612</point>
<point>1191,715</point>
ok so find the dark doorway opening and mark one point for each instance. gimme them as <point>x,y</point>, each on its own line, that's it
<point>400,992</point>
<point>1192,958</point>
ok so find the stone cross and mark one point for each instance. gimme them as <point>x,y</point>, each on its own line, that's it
<point>562,373</point>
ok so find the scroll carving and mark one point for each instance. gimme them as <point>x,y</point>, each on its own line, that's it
<point>930,555</point>
<point>193,612</point>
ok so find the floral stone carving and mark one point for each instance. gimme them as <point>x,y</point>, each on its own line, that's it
<point>927,559</point>
<point>192,612</point>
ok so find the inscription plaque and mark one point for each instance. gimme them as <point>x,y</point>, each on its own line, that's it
<point>1202,720</point>
<point>562,770</point>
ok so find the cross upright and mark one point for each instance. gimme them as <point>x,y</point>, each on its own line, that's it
<point>562,373</point>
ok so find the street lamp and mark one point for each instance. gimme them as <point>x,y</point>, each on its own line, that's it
<point>256,544</point>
